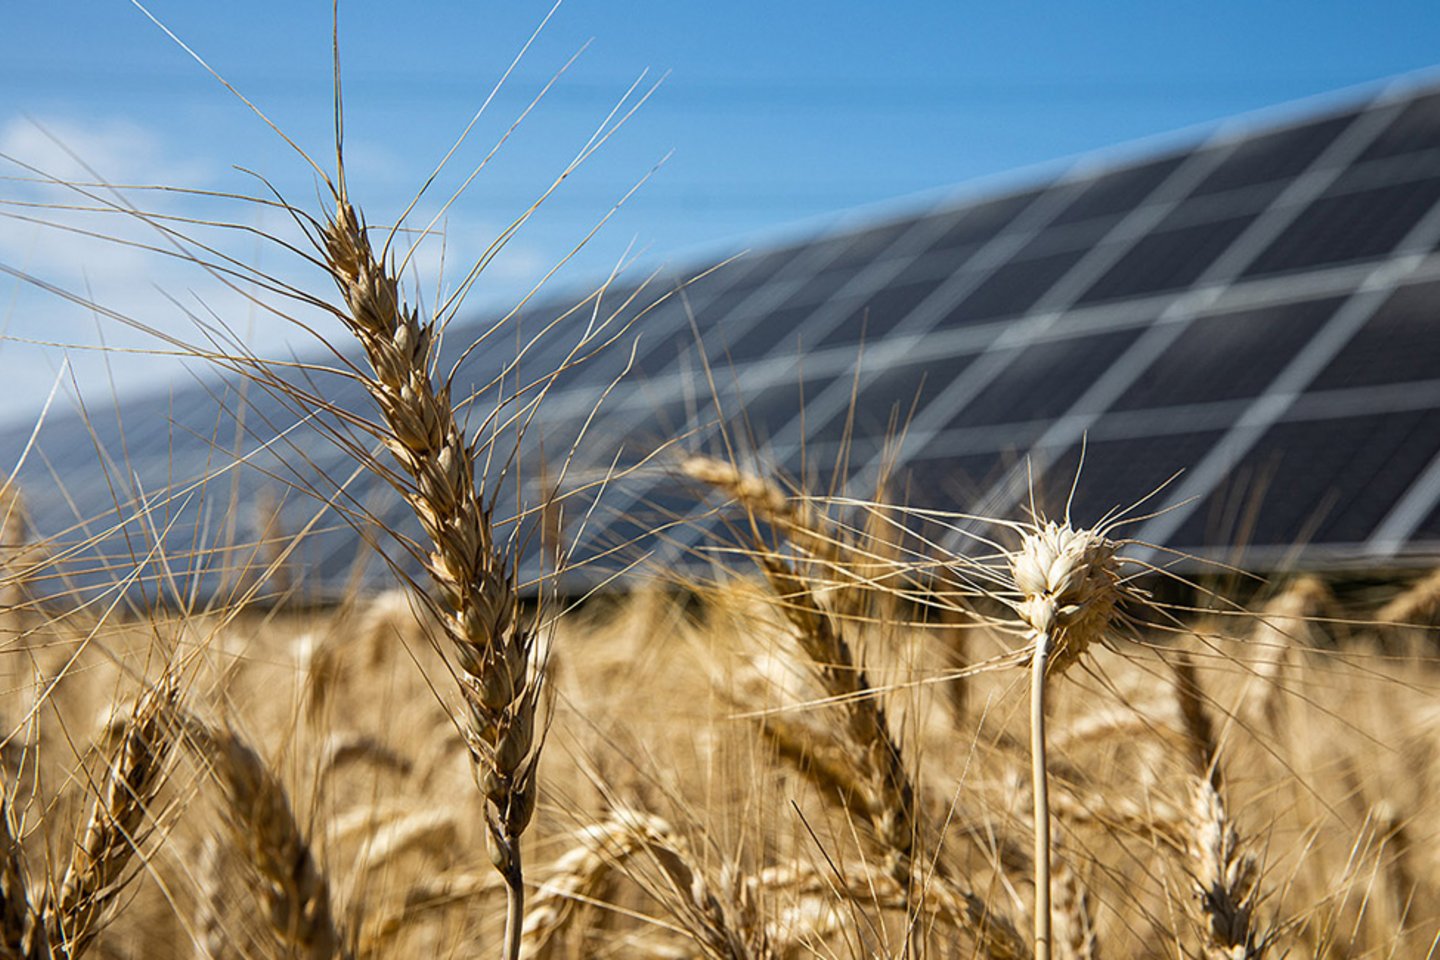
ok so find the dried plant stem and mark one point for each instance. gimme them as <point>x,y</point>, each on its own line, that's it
<point>891,799</point>
<point>1040,781</point>
<point>467,567</point>
<point>819,622</point>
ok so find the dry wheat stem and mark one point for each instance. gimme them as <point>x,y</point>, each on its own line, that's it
<point>467,567</point>
<point>890,796</point>
<point>1040,785</point>
<point>96,873</point>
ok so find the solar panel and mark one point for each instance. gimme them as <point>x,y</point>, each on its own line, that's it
<point>1241,329</point>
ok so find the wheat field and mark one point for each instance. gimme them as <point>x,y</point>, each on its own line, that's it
<point>840,741</point>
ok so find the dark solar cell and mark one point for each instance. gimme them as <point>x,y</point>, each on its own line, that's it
<point>1013,288</point>
<point>1166,261</point>
<point>1350,226</point>
<point>1044,379</point>
<point>1401,342</point>
<point>822,286</point>
<point>1245,200</point>
<point>776,329</point>
<point>1117,474</point>
<point>929,267</point>
<point>1273,156</point>
<point>886,403</point>
<point>1416,127</point>
<point>872,317</point>
<point>980,222</point>
<point>1329,481</point>
<point>1227,356</point>
<point>1118,192</point>
<point>1074,236</point>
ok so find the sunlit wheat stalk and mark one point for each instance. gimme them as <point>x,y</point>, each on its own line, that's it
<point>468,568</point>
<point>1068,583</point>
<point>23,934</point>
<point>889,794</point>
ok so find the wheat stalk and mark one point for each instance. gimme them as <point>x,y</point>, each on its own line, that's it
<point>889,796</point>
<point>470,572</point>
<point>1069,584</point>
<point>23,934</point>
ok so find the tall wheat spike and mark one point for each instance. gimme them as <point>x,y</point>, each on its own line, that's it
<point>1069,586</point>
<point>492,643</point>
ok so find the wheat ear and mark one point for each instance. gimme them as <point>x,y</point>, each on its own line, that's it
<point>1226,880</point>
<point>606,847</point>
<point>96,874</point>
<point>262,826</point>
<point>820,635</point>
<point>470,572</point>
<point>1069,584</point>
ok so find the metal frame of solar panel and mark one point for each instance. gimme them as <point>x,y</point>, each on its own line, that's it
<point>1238,338</point>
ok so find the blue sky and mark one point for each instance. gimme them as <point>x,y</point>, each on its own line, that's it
<point>771,115</point>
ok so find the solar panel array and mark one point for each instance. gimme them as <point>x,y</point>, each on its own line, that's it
<point>1258,312</point>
